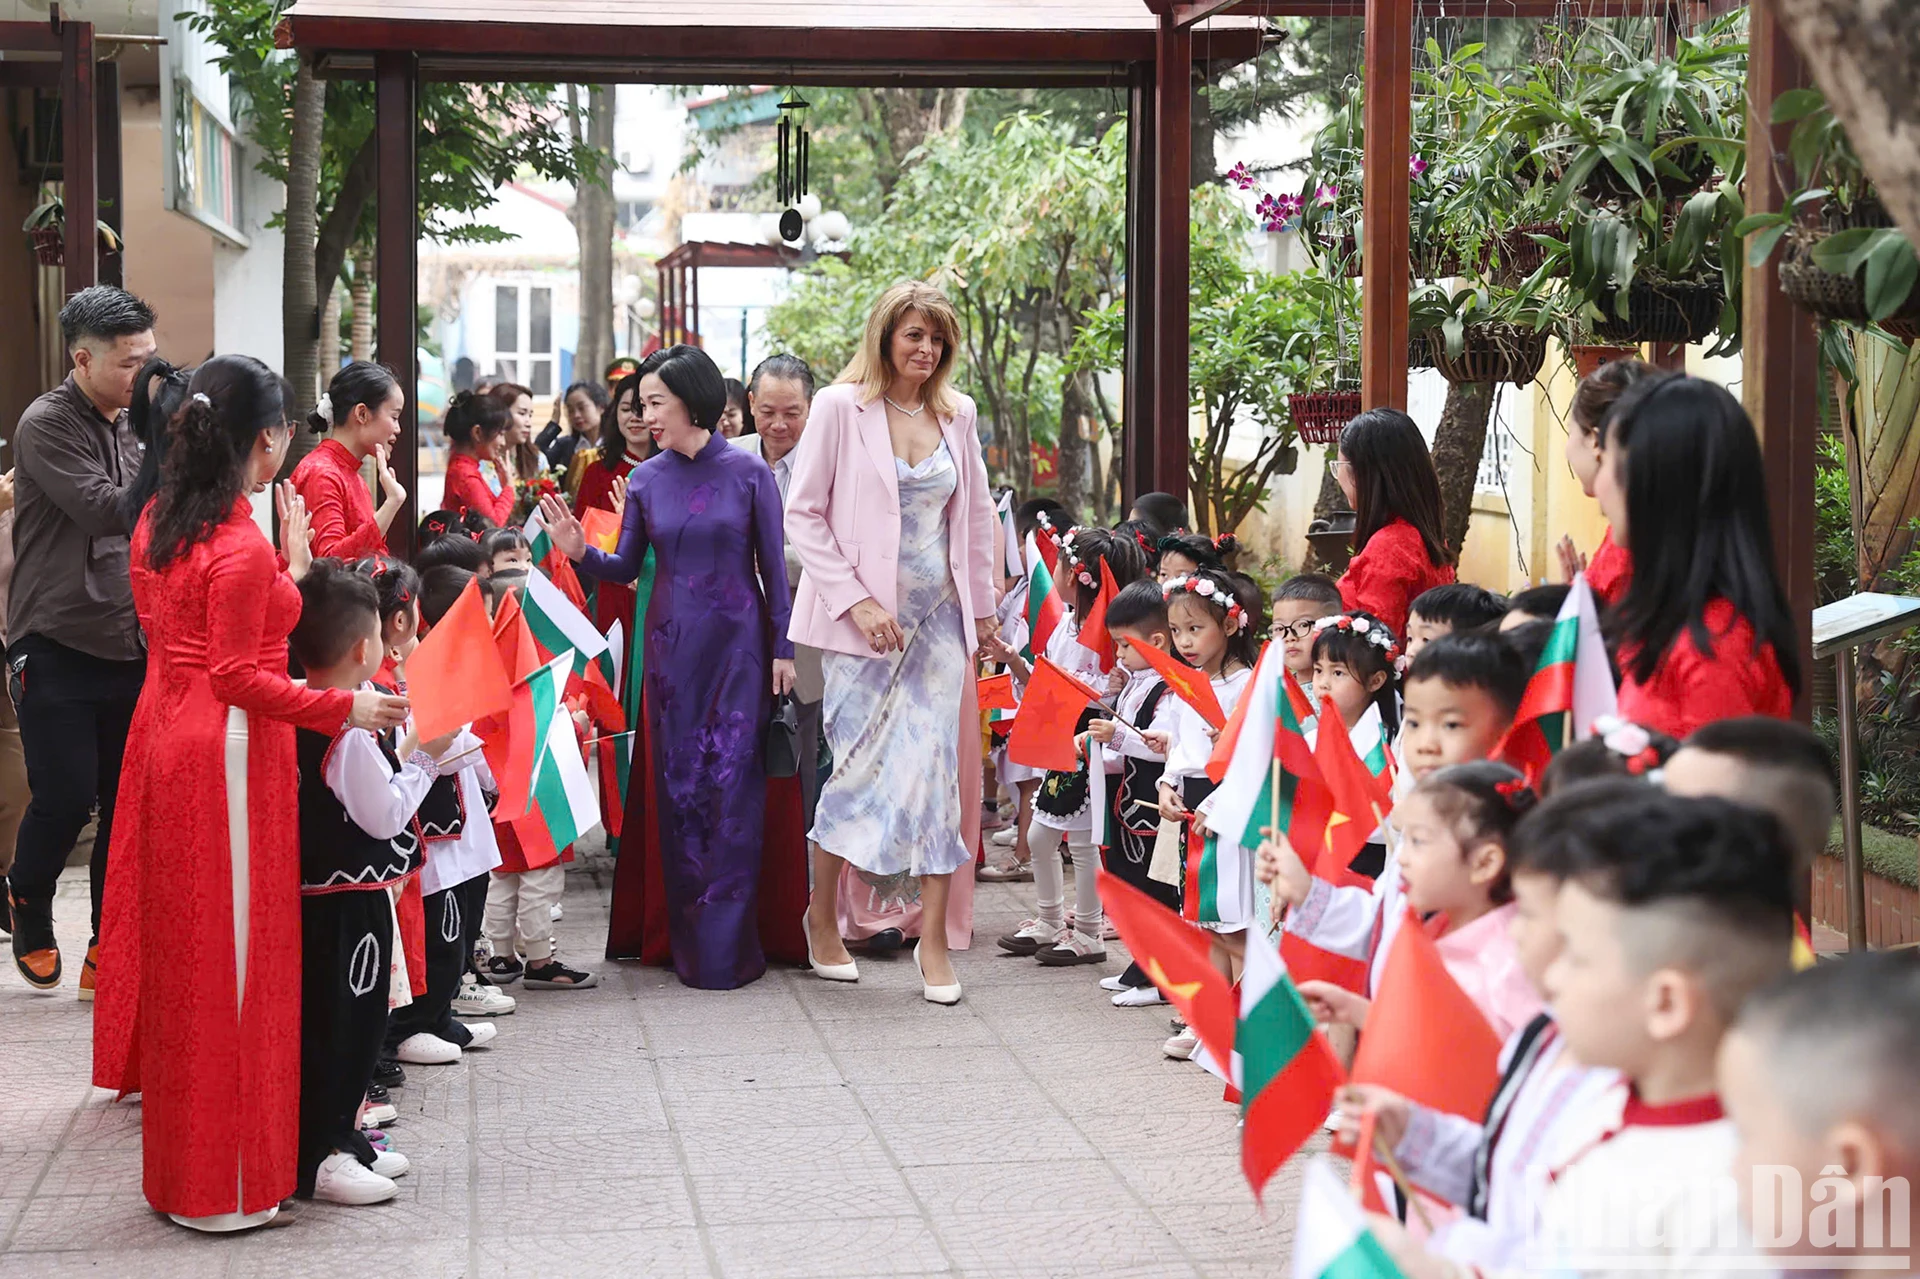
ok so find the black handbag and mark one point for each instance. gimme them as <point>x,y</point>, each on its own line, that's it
<point>783,738</point>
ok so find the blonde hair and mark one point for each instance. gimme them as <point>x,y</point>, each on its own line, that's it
<point>871,368</point>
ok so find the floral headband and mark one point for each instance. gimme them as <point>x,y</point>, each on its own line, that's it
<point>1374,633</point>
<point>1208,590</point>
<point>1630,742</point>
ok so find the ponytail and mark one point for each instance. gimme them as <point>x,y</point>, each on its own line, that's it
<point>230,400</point>
<point>158,390</point>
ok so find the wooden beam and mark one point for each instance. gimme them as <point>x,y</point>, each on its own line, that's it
<point>112,195</point>
<point>30,75</point>
<point>29,37</point>
<point>79,181</point>
<point>1384,248</point>
<point>1497,9</point>
<point>1192,12</point>
<point>1781,356</point>
<point>1137,405</point>
<point>396,266</point>
<point>1173,180</point>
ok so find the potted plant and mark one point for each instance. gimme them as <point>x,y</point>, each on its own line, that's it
<point>1485,332</point>
<point>1648,273</point>
<point>46,227</point>
<point>1317,353</point>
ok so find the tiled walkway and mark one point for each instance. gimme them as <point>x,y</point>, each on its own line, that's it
<point>645,1130</point>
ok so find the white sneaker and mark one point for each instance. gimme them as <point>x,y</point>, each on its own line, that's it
<point>1005,838</point>
<point>483,1034</point>
<point>1139,997</point>
<point>1182,1046</point>
<point>378,1116</point>
<point>1115,983</point>
<point>424,1049</point>
<point>477,1000</point>
<point>342,1179</point>
<point>390,1164</point>
<point>1031,936</point>
<point>554,912</point>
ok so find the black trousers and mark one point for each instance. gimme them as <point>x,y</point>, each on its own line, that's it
<point>453,918</point>
<point>74,712</point>
<point>347,953</point>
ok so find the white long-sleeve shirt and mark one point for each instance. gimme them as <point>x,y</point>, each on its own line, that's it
<point>1192,745</point>
<point>379,800</point>
<point>476,851</point>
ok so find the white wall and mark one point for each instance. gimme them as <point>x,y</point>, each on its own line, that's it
<point>247,282</point>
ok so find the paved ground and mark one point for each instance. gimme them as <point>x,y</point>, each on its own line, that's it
<point>642,1129</point>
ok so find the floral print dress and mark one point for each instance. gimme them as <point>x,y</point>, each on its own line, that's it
<point>892,805</point>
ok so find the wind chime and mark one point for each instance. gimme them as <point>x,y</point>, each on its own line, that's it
<point>791,175</point>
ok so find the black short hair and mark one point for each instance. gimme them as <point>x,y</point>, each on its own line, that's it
<point>1194,546</point>
<point>1540,601</point>
<point>786,368</point>
<point>396,581</point>
<point>1592,759</point>
<point>1842,1041</point>
<point>1354,649</point>
<point>1026,517</point>
<point>1242,647</point>
<point>1786,770</point>
<point>1715,878</point>
<point>694,379</point>
<point>337,607</point>
<point>440,586</point>
<point>1164,511</point>
<point>103,313</point>
<point>1483,800</point>
<point>473,417</point>
<point>497,587</point>
<point>1460,605</point>
<point>502,540</point>
<point>1140,606</point>
<point>1313,588</point>
<point>1467,659</point>
<point>1766,743</point>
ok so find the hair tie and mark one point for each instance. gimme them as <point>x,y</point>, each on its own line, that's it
<point>403,597</point>
<point>324,409</point>
<point>1511,787</point>
<point>200,397</point>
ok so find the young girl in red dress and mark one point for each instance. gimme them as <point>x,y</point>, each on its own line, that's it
<point>1399,551</point>
<point>1609,568</point>
<point>199,953</point>
<point>624,444</point>
<point>1704,630</point>
<point>361,409</point>
<point>477,479</point>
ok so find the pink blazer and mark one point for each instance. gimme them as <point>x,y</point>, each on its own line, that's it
<point>843,520</point>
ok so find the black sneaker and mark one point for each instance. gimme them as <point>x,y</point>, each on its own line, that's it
<point>377,1095</point>
<point>554,975</point>
<point>35,952</point>
<point>502,970</point>
<point>387,1073</point>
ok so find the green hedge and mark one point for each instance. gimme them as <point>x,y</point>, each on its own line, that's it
<point>1890,856</point>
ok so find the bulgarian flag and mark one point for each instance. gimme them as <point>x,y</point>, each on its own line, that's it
<point>563,805</point>
<point>557,625</point>
<point>1571,687</point>
<point>1045,612</point>
<point>548,556</point>
<point>1016,567</point>
<point>1287,1070</point>
<point>614,750</point>
<point>1273,781</point>
<point>1330,1237</point>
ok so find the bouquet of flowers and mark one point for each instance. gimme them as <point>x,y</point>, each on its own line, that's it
<point>534,487</point>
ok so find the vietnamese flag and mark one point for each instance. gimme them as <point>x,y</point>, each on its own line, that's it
<point>996,693</point>
<point>1093,630</point>
<point>1043,731</point>
<point>1365,1180</point>
<point>1361,801</point>
<point>456,676</point>
<point>1190,684</point>
<point>1288,1072</point>
<point>602,528</point>
<point>1179,959</point>
<point>1425,1039</point>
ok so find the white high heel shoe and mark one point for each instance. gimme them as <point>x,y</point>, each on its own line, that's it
<point>226,1223</point>
<point>944,995</point>
<point>848,971</point>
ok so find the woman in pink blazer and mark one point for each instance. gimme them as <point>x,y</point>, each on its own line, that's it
<point>889,514</point>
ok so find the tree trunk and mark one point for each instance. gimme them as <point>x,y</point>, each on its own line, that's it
<point>1076,411</point>
<point>1849,46</point>
<point>593,224</point>
<point>360,337</point>
<point>299,296</point>
<point>1457,447</point>
<point>907,118</point>
<point>329,358</point>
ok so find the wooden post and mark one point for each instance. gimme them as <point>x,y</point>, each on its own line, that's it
<point>1173,180</point>
<point>110,194</point>
<point>1137,433</point>
<point>396,264</point>
<point>79,181</point>
<point>1782,361</point>
<point>1386,252</point>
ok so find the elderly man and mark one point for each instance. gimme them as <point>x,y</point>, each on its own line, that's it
<point>779,394</point>
<point>75,656</point>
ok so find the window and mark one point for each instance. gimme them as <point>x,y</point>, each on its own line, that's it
<point>506,318</point>
<point>523,336</point>
<point>1496,459</point>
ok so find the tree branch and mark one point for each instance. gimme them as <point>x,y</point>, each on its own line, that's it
<point>342,223</point>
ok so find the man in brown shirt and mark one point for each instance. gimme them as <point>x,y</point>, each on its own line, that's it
<point>75,655</point>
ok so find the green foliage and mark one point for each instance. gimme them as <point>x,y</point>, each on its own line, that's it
<point>1887,753</point>
<point>473,138</point>
<point>1836,560</point>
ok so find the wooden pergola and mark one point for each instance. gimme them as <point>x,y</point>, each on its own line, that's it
<point>1153,49</point>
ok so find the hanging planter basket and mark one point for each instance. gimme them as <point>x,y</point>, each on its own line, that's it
<point>1493,353</point>
<point>1423,262</point>
<point>1588,359</point>
<point>1835,297</point>
<point>1319,416</point>
<point>1520,254</point>
<point>49,245</point>
<point>1419,352</point>
<point>1684,312</point>
<point>1604,185</point>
